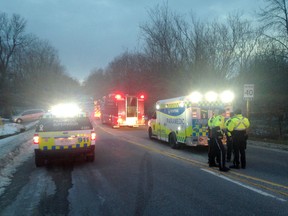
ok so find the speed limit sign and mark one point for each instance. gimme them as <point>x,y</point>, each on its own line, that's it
<point>248,91</point>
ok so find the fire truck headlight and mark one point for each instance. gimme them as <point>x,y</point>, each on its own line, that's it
<point>157,106</point>
<point>211,96</point>
<point>227,96</point>
<point>195,97</point>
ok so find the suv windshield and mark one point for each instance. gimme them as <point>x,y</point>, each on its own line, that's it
<point>63,124</point>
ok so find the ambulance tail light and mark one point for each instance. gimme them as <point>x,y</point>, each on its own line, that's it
<point>194,113</point>
<point>36,139</point>
<point>93,136</point>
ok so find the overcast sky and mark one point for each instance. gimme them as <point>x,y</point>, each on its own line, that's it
<point>89,34</point>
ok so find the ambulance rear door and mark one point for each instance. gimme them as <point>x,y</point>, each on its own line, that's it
<point>199,125</point>
<point>160,125</point>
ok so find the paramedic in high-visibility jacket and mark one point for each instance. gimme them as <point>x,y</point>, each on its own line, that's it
<point>212,151</point>
<point>229,143</point>
<point>238,128</point>
<point>218,133</point>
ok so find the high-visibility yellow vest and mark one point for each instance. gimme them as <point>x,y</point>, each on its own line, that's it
<point>219,121</point>
<point>238,123</point>
<point>210,122</point>
<point>227,122</point>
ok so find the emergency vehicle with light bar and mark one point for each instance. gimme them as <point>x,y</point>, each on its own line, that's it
<point>97,110</point>
<point>184,120</point>
<point>122,110</point>
<point>64,132</point>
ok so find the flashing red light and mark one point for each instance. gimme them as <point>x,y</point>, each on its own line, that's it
<point>93,135</point>
<point>142,96</point>
<point>118,97</point>
<point>36,139</point>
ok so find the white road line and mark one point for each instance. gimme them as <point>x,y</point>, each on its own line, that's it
<point>243,185</point>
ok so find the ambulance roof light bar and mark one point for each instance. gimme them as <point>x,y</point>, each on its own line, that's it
<point>211,96</point>
<point>227,96</point>
<point>195,97</point>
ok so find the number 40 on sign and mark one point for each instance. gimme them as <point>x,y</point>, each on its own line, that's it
<point>248,91</point>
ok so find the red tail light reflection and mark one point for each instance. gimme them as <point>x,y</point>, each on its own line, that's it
<point>36,139</point>
<point>93,135</point>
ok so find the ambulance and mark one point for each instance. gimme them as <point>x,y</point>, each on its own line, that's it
<point>184,120</point>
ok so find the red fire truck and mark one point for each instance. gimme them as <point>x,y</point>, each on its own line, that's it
<point>123,110</point>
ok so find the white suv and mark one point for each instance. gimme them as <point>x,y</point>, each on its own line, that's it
<point>28,115</point>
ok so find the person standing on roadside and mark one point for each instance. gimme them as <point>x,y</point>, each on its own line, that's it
<point>229,138</point>
<point>217,134</point>
<point>212,151</point>
<point>238,128</point>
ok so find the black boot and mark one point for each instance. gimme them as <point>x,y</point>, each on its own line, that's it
<point>224,169</point>
<point>234,166</point>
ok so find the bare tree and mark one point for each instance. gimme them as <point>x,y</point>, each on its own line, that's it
<point>274,20</point>
<point>12,38</point>
<point>159,35</point>
<point>96,84</point>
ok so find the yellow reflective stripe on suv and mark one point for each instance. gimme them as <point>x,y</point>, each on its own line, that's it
<point>48,140</point>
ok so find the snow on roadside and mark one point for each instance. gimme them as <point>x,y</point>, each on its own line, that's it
<point>14,151</point>
<point>10,128</point>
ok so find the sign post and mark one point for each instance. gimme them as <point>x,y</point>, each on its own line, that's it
<point>248,96</point>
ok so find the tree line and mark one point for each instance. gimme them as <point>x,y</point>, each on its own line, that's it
<point>179,54</point>
<point>31,74</point>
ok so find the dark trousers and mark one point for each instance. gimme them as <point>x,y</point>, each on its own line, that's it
<point>221,152</point>
<point>229,148</point>
<point>212,152</point>
<point>239,146</point>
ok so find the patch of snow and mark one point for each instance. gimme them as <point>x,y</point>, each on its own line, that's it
<point>14,150</point>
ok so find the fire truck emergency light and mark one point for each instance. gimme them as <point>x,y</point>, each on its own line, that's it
<point>118,97</point>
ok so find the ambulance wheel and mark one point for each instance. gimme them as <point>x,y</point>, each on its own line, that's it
<point>150,133</point>
<point>90,158</point>
<point>39,160</point>
<point>173,141</point>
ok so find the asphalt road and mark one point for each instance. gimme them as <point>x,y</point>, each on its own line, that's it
<point>133,175</point>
